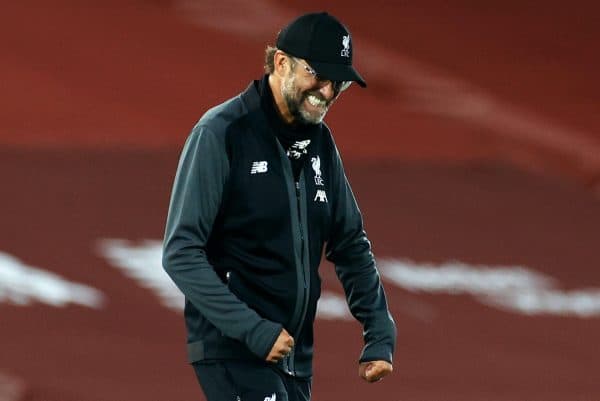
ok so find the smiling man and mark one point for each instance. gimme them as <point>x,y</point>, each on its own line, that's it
<point>260,191</point>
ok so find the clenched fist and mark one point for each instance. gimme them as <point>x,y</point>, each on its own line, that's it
<point>375,370</point>
<point>283,346</point>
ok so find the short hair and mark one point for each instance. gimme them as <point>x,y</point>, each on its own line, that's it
<point>270,59</point>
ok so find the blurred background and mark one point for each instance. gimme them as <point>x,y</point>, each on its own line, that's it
<point>474,154</point>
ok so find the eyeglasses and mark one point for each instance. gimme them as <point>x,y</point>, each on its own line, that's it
<point>338,86</point>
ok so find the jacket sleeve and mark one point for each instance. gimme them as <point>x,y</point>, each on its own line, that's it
<point>195,201</point>
<point>350,251</point>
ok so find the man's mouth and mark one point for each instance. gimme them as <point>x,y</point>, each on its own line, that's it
<point>316,102</point>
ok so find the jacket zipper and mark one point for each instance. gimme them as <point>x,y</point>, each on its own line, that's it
<point>291,360</point>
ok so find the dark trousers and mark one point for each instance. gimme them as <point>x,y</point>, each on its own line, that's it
<point>239,380</point>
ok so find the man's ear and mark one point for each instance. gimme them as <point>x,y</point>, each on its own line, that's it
<point>280,63</point>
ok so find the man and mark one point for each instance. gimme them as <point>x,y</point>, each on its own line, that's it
<point>260,191</point>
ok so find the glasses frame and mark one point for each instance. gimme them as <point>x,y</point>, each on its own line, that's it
<point>338,86</point>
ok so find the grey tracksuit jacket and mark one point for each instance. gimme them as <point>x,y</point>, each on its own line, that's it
<point>244,241</point>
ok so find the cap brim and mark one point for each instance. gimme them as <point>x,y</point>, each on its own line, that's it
<point>338,72</point>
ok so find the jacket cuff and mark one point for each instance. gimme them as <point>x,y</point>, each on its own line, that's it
<point>379,352</point>
<point>262,338</point>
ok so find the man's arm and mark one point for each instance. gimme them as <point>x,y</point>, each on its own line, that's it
<point>195,202</point>
<point>350,250</point>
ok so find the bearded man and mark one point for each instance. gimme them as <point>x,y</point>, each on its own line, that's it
<point>260,192</point>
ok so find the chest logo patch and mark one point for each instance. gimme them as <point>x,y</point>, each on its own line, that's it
<point>316,165</point>
<point>321,196</point>
<point>258,167</point>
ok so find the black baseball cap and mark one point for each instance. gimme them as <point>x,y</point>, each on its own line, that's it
<point>324,42</point>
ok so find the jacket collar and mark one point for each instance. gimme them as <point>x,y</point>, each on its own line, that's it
<point>251,96</point>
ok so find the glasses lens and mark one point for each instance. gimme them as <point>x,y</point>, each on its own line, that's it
<point>341,86</point>
<point>338,86</point>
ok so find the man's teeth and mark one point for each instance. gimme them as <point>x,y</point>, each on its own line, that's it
<point>315,101</point>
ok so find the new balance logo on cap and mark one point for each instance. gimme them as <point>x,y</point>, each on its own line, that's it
<point>258,167</point>
<point>273,397</point>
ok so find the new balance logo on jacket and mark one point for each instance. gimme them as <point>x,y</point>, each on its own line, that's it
<point>273,397</point>
<point>258,167</point>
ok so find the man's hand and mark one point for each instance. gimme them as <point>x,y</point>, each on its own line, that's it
<point>283,346</point>
<point>375,370</point>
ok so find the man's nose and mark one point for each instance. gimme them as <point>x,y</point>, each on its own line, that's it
<point>326,89</point>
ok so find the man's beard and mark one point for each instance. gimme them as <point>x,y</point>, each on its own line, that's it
<point>294,99</point>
